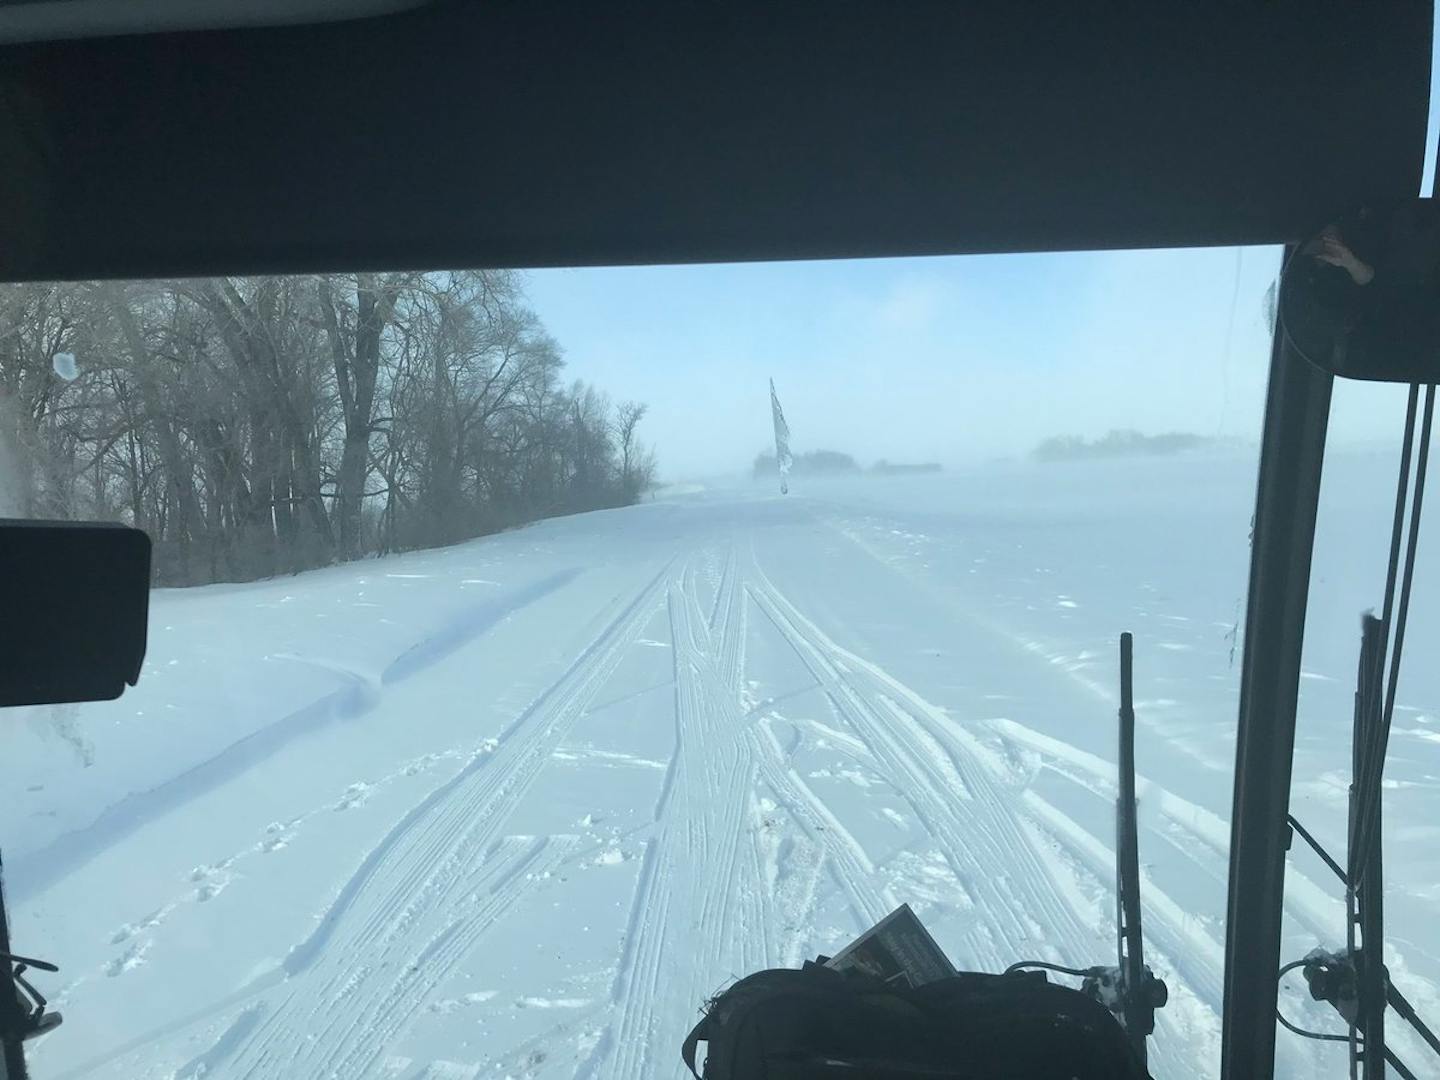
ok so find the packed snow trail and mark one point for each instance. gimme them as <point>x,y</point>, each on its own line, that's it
<point>606,765</point>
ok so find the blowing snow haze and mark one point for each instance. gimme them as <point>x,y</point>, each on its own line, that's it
<point>945,359</point>
<point>942,359</point>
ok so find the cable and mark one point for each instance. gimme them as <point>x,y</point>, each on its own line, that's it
<point>1402,486</point>
<point>1229,340</point>
<point>1421,464</point>
<point>1318,1035</point>
<point>1324,855</point>
<point>1048,967</point>
<point>1366,758</point>
<point>1368,785</point>
<point>1321,1036</point>
<point>1394,997</point>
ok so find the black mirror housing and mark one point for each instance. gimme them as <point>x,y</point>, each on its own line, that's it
<point>76,603</point>
<point>1361,298</point>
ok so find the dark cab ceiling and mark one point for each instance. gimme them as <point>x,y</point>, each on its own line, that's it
<point>540,132</point>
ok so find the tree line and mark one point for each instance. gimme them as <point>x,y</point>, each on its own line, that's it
<point>1120,442</point>
<point>263,425</point>
<point>810,463</point>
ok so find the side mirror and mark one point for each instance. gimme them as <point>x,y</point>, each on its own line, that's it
<point>73,619</point>
<point>1361,299</point>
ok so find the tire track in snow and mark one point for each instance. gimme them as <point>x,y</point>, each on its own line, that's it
<point>1195,956</point>
<point>850,865</point>
<point>1019,911</point>
<point>1187,1033</point>
<point>696,910</point>
<point>792,867</point>
<point>1199,834</point>
<point>1193,949</point>
<point>920,730</point>
<point>1177,941</point>
<point>842,856</point>
<point>347,1031</point>
<point>402,897</point>
<point>357,695</point>
<point>207,880</point>
<point>491,783</point>
<point>721,672</point>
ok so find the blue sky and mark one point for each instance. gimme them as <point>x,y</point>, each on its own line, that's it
<point>939,359</point>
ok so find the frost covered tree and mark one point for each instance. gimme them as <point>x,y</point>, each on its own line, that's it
<point>637,462</point>
<point>256,426</point>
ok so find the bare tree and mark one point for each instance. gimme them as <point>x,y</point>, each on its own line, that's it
<point>355,333</point>
<point>259,425</point>
<point>637,463</point>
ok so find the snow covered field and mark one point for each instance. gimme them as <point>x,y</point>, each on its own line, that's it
<point>515,808</point>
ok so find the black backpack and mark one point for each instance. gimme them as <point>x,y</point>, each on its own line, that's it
<point>821,1024</point>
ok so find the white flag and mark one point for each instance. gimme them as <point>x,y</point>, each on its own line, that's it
<point>783,460</point>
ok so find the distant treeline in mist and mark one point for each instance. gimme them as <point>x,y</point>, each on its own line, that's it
<point>900,468</point>
<point>834,463</point>
<point>811,463</point>
<point>265,425</point>
<point>1119,443</point>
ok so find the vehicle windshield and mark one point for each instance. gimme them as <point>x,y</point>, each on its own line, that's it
<point>534,653</point>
